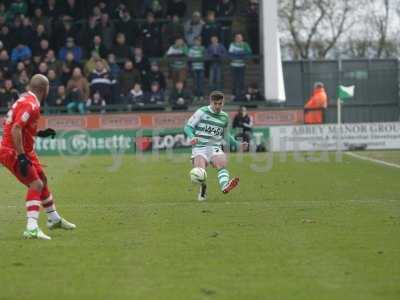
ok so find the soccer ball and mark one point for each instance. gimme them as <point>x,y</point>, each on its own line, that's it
<point>198,175</point>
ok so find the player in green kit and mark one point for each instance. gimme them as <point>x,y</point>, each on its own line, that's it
<point>207,130</point>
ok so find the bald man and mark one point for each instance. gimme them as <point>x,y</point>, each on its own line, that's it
<point>17,154</point>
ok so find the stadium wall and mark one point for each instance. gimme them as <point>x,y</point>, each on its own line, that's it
<point>139,132</point>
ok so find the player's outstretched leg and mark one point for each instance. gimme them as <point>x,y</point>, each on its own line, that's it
<point>203,192</point>
<point>54,220</point>
<point>225,183</point>
<point>32,212</point>
<point>231,185</point>
<point>200,162</point>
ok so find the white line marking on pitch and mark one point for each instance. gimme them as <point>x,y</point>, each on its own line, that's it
<point>378,161</point>
<point>267,203</point>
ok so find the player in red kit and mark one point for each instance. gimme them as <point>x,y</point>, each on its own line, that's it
<point>18,156</point>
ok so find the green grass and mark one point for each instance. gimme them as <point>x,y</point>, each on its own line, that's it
<point>303,230</point>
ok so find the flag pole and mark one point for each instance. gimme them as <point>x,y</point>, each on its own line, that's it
<point>339,111</point>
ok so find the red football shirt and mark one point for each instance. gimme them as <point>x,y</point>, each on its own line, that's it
<point>26,113</point>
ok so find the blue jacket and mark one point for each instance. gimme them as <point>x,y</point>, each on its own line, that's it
<point>216,52</point>
<point>22,53</point>
<point>77,51</point>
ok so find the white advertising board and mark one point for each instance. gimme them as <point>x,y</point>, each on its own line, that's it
<point>330,137</point>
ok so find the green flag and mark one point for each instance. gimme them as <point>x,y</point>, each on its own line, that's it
<point>345,92</point>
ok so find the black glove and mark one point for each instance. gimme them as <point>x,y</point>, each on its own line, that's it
<point>46,133</point>
<point>23,163</point>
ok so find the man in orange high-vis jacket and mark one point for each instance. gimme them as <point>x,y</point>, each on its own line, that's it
<point>315,106</point>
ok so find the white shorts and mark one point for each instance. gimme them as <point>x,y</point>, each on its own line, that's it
<point>207,152</point>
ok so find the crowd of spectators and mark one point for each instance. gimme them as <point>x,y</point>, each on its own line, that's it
<point>98,53</point>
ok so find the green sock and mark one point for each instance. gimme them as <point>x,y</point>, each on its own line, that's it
<point>223,178</point>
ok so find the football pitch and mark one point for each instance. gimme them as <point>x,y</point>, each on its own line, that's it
<point>306,226</point>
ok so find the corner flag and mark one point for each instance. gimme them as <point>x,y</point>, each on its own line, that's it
<point>345,92</point>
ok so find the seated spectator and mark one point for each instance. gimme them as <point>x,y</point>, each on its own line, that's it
<point>242,124</point>
<point>16,31</point>
<point>89,31</point>
<point>141,62</point>
<point>40,19</point>
<point>65,28</point>
<point>155,75</point>
<point>216,52</point>
<point>135,96</point>
<point>150,36</point>
<point>5,63</point>
<point>21,67</point>
<point>98,46</point>
<point>226,10</point>
<point>127,78</point>
<point>207,5</point>
<point>196,54</point>
<point>210,28</point>
<point>60,101</point>
<point>113,66</point>
<point>39,35</point>
<point>101,81</point>
<point>106,29</point>
<point>156,95</point>
<point>22,81</point>
<point>28,66</point>
<point>70,47</point>
<point>66,73</point>
<point>73,8</point>
<point>172,30</point>
<point>193,28</point>
<point>127,25</point>
<point>78,92</point>
<point>238,51</point>
<point>54,83</point>
<point>91,63</point>
<point>3,13</point>
<point>52,62</point>
<point>41,51</point>
<point>27,31</point>
<point>51,9</point>
<point>179,97</point>
<point>6,38</point>
<point>8,94</point>
<point>21,53</point>
<point>42,69</point>
<point>121,50</point>
<point>96,103</point>
<point>176,7</point>
<point>177,54</point>
<point>67,68</point>
<point>253,26</point>
<point>156,7</point>
<point>17,7</point>
<point>253,93</point>
<point>96,13</point>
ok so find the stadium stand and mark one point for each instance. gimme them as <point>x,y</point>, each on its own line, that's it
<point>134,55</point>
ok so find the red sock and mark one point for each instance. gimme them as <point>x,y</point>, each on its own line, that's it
<point>47,200</point>
<point>33,202</point>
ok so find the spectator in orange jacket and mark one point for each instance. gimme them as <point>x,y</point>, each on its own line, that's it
<point>315,106</point>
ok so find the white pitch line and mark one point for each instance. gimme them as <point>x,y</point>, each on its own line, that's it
<point>211,204</point>
<point>378,161</point>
